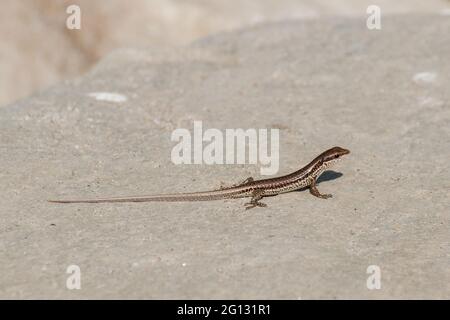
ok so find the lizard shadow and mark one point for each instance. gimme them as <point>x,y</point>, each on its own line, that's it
<point>326,176</point>
<point>329,175</point>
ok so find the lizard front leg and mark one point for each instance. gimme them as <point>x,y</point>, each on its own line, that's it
<point>315,192</point>
<point>254,202</point>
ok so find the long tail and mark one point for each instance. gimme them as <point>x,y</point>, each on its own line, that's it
<point>194,196</point>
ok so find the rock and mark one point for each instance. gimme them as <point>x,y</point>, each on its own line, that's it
<point>38,50</point>
<point>383,94</point>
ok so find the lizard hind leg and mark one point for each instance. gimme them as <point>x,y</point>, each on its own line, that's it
<point>224,186</point>
<point>248,180</point>
<point>254,202</point>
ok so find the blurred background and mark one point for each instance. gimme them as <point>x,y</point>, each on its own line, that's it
<point>37,50</point>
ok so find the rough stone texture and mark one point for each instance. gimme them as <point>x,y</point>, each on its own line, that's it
<point>382,94</point>
<point>37,50</point>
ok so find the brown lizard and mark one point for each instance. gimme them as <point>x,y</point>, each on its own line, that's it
<point>255,189</point>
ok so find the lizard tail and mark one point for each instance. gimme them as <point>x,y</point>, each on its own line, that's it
<point>194,196</point>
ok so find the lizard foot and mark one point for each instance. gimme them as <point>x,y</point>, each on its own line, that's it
<point>254,202</point>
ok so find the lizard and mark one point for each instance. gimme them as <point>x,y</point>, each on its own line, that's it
<point>254,189</point>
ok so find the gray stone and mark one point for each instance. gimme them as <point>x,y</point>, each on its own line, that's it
<point>382,94</point>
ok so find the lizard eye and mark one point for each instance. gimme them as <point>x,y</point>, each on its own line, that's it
<point>336,156</point>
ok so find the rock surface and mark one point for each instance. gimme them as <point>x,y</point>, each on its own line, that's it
<point>38,50</point>
<point>382,94</point>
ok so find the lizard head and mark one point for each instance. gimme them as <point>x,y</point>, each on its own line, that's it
<point>326,159</point>
<point>333,155</point>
